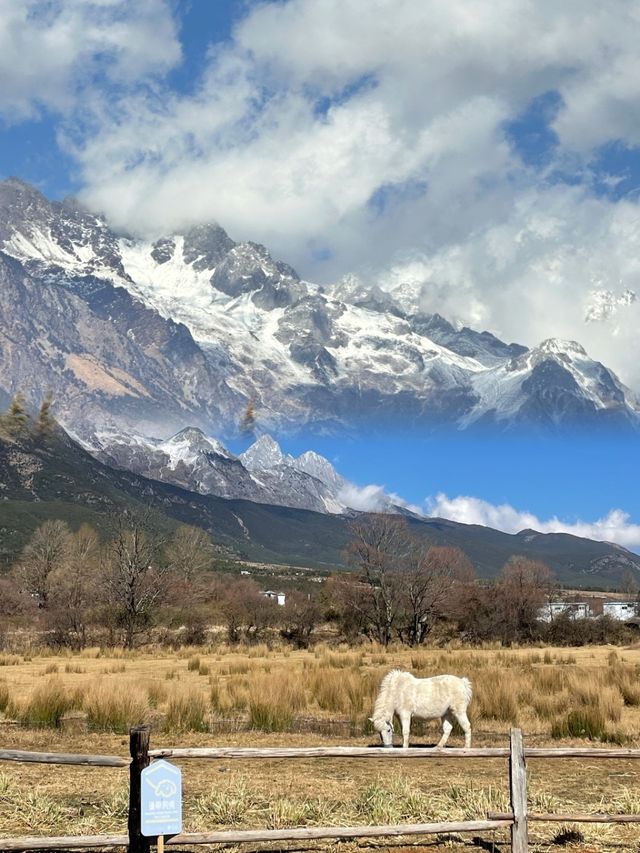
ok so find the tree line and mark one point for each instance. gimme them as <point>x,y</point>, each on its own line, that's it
<point>137,583</point>
<point>75,589</point>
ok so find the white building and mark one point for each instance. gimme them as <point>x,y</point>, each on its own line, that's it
<point>619,609</point>
<point>280,597</point>
<point>572,609</point>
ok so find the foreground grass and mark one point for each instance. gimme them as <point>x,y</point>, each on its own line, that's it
<point>277,794</point>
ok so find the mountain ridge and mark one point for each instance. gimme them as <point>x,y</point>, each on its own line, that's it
<point>208,327</point>
<point>60,479</point>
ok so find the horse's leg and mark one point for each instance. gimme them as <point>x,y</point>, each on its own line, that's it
<point>447,725</point>
<point>465,725</point>
<point>405,721</point>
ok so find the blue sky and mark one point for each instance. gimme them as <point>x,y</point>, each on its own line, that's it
<point>572,483</point>
<point>488,155</point>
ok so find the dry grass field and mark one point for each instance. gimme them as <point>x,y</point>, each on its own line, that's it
<point>217,696</point>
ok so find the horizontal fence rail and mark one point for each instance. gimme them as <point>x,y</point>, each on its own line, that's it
<point>259,835</point>
<point>517,819</point>
<point>384,752</point>
<point>570,818</point>
<point>310,752</point>
<point>63,758</point>
<point>327,752</point>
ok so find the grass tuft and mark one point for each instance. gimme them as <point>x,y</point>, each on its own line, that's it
<point>187,712</point>
<point>115,711</point>
<point>47,705</point>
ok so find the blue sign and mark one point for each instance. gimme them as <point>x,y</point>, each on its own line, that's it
<point>161,799</point>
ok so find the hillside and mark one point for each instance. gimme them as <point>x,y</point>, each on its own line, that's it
<point>59,479</point>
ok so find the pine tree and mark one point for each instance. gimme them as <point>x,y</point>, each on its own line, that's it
<point>15,421</point>
<point>45,423</point>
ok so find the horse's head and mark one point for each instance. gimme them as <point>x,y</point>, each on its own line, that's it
<point>385,729</point>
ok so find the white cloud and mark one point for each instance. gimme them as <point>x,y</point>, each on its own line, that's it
<point>373,498</point>
<point>51,53</point>
<point>316,106</point>
<point>541,272</point>
<point>616,526</point>
<point>415,91</point>
<point>370,498</point>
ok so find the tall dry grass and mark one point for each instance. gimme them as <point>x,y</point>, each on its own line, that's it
<point>46,706</point>
<point>4,696</point>
<point>274,701</point>
<point>540,690</point>
<point>110,710</point>
<point>187,712</point>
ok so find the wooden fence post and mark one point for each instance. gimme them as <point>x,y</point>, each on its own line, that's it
<point>518,789</point>
<point>139,749</point>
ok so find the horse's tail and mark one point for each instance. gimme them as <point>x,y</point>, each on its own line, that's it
<point>467,689</point>
<point>385,701</point>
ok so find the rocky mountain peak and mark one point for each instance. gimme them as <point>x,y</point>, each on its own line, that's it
<point>191,441</point>
<point>263,454</point>
<point>206,245</point>
<point>559,347</point>
<point>320,468</point>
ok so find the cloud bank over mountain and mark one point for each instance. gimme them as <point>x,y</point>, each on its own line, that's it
<point>616,526</point>
<point>486,155</point>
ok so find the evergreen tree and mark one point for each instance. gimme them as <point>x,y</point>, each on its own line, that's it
<point>15,421</point>
<point>45,423</point>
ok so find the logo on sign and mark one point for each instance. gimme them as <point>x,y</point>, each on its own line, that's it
<point>161,799</point>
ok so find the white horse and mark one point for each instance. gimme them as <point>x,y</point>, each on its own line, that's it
<point>443,696</point>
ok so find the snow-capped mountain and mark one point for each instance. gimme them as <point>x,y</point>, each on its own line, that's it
<point>196,328</point>
<point>263,473</point>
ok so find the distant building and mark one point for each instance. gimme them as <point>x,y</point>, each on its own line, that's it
<point>621,610</point>
<point>280,597</point>
<point>614,609</point>
<point>570,609</point>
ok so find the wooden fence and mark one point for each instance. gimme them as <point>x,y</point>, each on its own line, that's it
<point>141,755</point>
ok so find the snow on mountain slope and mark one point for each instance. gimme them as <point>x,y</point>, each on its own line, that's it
<point>190,459</point>
<point>234,328</point>
<point>556,380</point>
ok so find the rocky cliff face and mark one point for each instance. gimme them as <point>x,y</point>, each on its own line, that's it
<point>263,473</point>
<point>194,328</point>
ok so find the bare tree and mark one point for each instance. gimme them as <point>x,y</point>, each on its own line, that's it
<point>74,588</point>
<point>44,553</point>
<point>379,547</point>
<point>523,588</point>
<point>189,552</point>
<point>246,612</point>
<point>427,574</point>
<point>189,556</point>
<point>135,575</point>
<point>298,618</point>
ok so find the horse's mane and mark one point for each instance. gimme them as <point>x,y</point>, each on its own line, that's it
<point>384,706</point>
